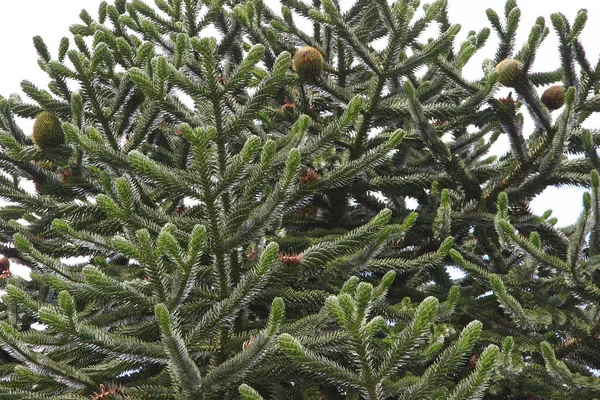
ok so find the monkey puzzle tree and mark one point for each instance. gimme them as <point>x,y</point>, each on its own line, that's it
<point>220,209</point>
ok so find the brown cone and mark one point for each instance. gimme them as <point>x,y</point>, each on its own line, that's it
<point>554,97</point>
<point>307,62</point>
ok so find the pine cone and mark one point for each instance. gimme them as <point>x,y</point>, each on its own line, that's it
<point>47,131</point>
<point>307,62</point>
<point>554,97</point>
<point>510,72</point>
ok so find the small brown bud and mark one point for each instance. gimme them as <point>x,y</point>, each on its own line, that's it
<point>253,254</point>
<point>105,393</point>
<point>290,259</point>
<point>247,343</point>
<point>473,360</point>
<point>508,101</point>
<point>4,267</point>
<point>65,174</point>
<point>311,176</point>
<point>289,106</point>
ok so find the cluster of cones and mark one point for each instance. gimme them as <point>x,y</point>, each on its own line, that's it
<point>510,74</point>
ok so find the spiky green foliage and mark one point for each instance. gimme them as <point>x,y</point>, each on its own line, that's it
<point>376,351</point>
<point>219,226</point>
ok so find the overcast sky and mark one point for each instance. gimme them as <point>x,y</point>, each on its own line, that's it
<point>21,20</point>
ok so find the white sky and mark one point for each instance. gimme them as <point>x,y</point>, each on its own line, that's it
<point>21,20</point>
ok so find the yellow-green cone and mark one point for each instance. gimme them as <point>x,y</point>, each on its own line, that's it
<point>47,131</point>
<point>510,72</point>
<point>554,97</point>
<point>307,62</point>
